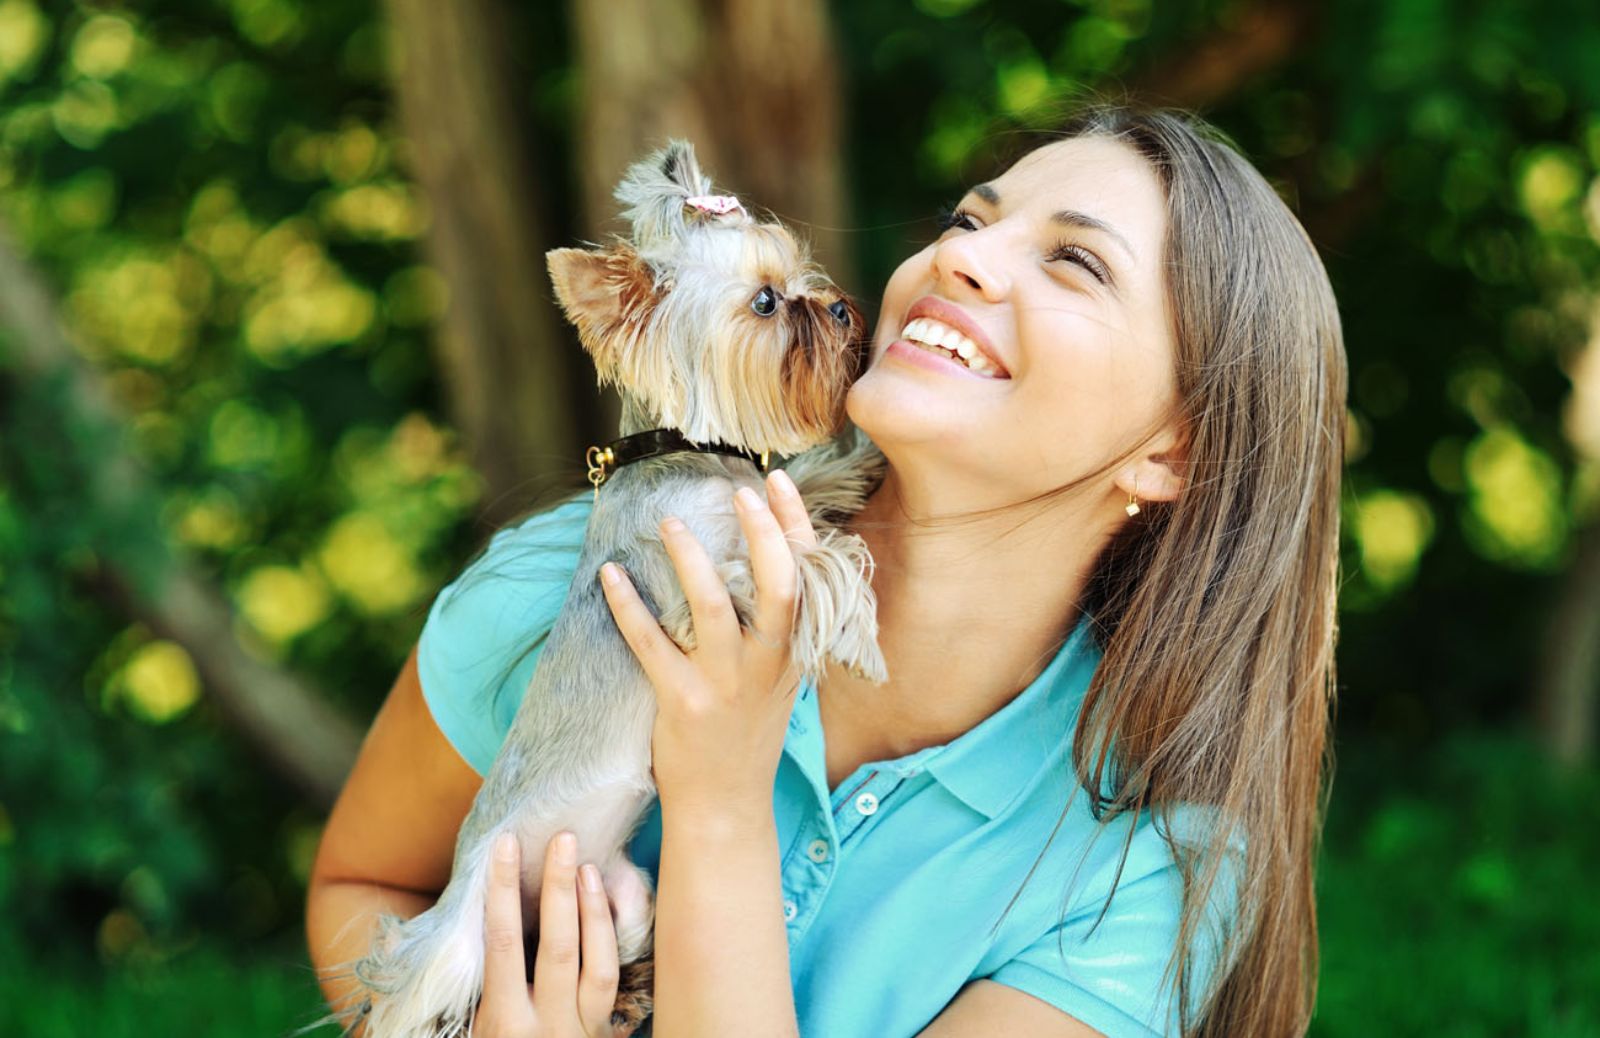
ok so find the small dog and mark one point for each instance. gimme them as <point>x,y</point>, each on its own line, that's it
<point>726,344</point>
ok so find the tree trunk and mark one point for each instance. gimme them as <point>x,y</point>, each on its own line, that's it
<point>1569,677</point>
<point>751,83</point>
<point>1565,705</point>
<point>289,724</point>
<point>502,350</point>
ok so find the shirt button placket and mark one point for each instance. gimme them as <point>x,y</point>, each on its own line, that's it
<point>856,813</point>
<point>807,875</point>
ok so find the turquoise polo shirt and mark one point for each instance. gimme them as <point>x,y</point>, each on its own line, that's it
<point>897,880</point>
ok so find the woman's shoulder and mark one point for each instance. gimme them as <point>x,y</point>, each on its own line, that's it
<point>1105,959</point>
<point>484,631</point>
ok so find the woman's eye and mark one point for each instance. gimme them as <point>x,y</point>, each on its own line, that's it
<point>1084,258</point>
<point>766,302</point>
<point>957,218</point>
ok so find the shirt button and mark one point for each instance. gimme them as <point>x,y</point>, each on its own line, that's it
<point>866,803</point>
<point>818,851</point>
<point>789,911</point>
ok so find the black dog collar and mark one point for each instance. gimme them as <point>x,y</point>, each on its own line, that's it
<point>602,461</point>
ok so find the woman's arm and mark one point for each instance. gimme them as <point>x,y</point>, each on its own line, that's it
<point>722,951</point>
<point>389,842</point>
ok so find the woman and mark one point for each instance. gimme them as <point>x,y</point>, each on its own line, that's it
<point>1125,530</point>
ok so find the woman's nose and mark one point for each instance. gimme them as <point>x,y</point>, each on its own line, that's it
<point>967,262</point>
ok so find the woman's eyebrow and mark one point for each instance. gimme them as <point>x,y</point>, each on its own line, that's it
<point>1073,218</point>
<point>1069,217</point>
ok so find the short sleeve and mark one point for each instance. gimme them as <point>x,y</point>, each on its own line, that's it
<point>471,657</point>
<point>1112,978</point>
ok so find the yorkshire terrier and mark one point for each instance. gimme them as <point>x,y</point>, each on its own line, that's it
<point>726,344</point>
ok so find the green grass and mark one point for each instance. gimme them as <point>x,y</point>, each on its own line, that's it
<point>202,992</point>
<point>1458,895</point>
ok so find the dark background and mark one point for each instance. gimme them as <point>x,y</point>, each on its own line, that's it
<point>278,352</point>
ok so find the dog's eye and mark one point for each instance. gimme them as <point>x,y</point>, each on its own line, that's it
<point>766,301</point>
<point>840,312</point>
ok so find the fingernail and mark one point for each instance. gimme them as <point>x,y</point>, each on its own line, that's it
<point>780,481</point>
<point>505,847</point>
<point>747,498</point>
<point>566,848</point>
<point>672,524</point>
<point>611,574</point>
<point>591,879</point>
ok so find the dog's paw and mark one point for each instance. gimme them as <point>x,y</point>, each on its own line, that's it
<point>856,649</point>
<point>635,995</point>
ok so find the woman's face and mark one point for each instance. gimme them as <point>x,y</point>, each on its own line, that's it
<point>1055,269</point>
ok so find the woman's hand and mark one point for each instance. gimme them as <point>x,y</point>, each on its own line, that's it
<point>575,968</point>
<point>722,709</point>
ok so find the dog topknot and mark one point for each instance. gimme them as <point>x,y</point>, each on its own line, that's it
<point>655,191</point>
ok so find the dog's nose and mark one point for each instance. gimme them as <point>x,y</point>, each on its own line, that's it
<point>840,311</point>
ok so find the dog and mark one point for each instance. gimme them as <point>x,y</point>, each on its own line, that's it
<point>727,344</point>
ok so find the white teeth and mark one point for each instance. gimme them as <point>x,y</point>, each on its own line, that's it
<point>938,334</point>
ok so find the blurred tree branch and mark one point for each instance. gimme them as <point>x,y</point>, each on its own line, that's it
<point>1260,37</point>
<point>500,347</point>
<point>303,738</point>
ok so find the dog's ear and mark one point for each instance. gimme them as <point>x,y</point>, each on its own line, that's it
<point>608,294</point>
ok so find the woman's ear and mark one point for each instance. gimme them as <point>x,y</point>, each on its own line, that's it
<point>608,294</point>
<point>1159,475</point>
<point>1151,480</point>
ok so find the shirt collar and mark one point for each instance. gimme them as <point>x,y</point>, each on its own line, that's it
<point>989,765</point>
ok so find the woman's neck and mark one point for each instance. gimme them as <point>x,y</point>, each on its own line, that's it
<point>969,613</point>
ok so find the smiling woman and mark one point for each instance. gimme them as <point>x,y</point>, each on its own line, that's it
<point>1103,417</point>
<point>1161,330</point>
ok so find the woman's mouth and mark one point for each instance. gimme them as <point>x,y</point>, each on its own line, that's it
<point>927,337</point>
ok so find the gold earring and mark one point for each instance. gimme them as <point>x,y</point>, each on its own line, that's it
<point>1133,498</point>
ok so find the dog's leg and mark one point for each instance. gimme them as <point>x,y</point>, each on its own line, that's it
<point>633,912</point>
<point>836,478</point>
<point>427,972</point>
<point>837,613</point>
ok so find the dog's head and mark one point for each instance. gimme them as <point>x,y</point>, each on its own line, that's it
<point>718,324</point>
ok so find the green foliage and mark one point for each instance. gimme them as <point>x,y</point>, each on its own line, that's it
<point>214,191</point>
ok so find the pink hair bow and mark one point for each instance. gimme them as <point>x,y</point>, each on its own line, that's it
<point>718,205</point>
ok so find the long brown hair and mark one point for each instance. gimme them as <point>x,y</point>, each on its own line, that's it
<point>1217,610</point>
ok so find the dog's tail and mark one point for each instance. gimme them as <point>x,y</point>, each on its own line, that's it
<point>424,975</point>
